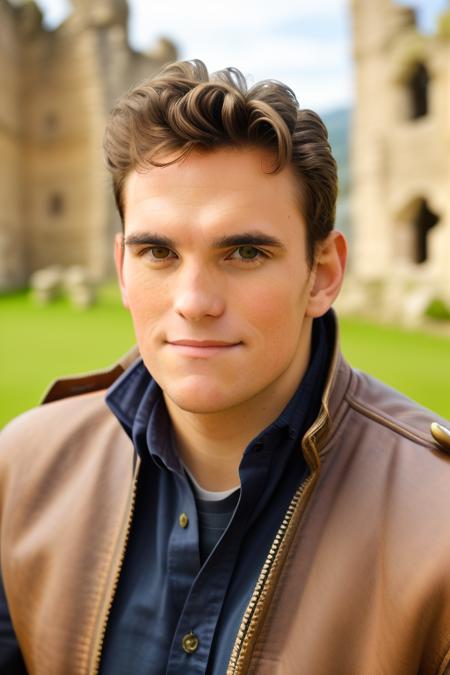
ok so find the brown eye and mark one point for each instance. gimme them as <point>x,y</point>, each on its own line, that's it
<point>160,252</point>
<point>248,252</point>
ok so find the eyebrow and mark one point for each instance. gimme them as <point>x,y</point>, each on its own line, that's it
<point>254,238</point>
<point>148,238</point>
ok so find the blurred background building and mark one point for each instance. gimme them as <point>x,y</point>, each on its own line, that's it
<point>400,157</point>
<point>58,84</point>
<point>56,90</point>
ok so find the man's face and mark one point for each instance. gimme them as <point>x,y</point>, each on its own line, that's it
<point>214,271</point>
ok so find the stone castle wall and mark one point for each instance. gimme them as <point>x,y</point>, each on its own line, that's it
<point>11,164</point>
<point>401,148</point>
<point>58,87</point>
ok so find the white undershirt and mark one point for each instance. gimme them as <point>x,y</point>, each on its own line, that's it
<point>209,495</point>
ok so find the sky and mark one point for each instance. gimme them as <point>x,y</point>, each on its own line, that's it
<point>305,44</point>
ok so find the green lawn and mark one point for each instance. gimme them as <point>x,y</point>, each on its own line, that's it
<point>37,344</point>
<point>418,364</point>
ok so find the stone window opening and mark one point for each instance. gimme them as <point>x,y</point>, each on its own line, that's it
<point>418,86</point>
<point>424,221</point>
<point>56,204</point>
<point>50,122</point>
<point>50,127</point>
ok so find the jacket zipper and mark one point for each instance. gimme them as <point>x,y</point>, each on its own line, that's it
<point>255,606</point>
<point>246,635</point>
<point>247,630</point>
<point>118,560</point>
<point>241,649</point>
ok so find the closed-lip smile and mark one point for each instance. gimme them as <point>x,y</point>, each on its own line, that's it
<point>201,349</point>
<point>202,343</point>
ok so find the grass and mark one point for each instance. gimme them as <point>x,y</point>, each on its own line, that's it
<point>416,363</point>
<point>38,344</point>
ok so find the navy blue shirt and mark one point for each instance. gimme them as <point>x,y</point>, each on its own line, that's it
<point>166,591</point>
<point>213,518</point>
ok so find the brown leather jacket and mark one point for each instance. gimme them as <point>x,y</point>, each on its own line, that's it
<point>358,578</point>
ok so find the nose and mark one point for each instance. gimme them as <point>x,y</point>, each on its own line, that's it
<point>198,295</point>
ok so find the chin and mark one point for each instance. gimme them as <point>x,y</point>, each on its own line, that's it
<point>201,398</point>
<point>199,407</point>
<point>200,404</point>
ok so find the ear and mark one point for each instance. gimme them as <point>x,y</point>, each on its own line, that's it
<point>327,274</point>
<point>118,259</point>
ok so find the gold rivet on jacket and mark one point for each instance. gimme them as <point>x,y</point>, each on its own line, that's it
<point>441,435</point>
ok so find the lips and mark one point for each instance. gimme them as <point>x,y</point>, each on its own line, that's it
<point>201,348</point>
<point>202,343</point>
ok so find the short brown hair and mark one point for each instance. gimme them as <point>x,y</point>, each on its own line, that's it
<point>184,107</point>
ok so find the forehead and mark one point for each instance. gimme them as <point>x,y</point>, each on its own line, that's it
<point>227,181</point>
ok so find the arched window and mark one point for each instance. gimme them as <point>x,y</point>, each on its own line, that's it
<point>50,123</point>
<point>56,204</point>
<point>418,85</point>
<point>424,221</point>
<point>411,235</point>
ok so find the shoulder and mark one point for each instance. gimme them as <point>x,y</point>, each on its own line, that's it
<point>74,431</point>
<point>380,438</point>
<point>386,442</point>
<point>56,432</point>
<point>385,469</point>
<point>387,410</point>
<point>62,415</point>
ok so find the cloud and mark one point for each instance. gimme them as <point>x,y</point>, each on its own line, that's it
<point>233,15</point>
<point>198,22</point>
<point>55,11</point>
<point>303,44</point>
<point>289,40</point>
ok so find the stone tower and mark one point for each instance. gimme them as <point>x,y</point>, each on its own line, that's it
<point>401,148</point>
<point>57,87</point>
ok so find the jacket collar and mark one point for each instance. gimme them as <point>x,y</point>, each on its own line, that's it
<point>73,385</point>
<point>336,383</point>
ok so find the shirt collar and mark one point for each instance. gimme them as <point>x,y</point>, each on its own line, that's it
<point>304,405</point>
<point>137,402</point>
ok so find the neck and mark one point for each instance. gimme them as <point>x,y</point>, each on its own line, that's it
<point>211,445</point>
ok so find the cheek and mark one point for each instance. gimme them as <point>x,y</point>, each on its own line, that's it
<point>146,301</point>
<point>276,312</point>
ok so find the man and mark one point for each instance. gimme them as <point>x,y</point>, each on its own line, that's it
<point>238,500</point>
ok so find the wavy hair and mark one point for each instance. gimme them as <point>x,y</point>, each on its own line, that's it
<point>185,108</point>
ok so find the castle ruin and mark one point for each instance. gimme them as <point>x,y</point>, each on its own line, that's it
<point>57,88</point>
<point>401,154</point>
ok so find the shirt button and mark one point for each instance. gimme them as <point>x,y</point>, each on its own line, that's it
<point>190,643</point>
<point>183,520</point>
